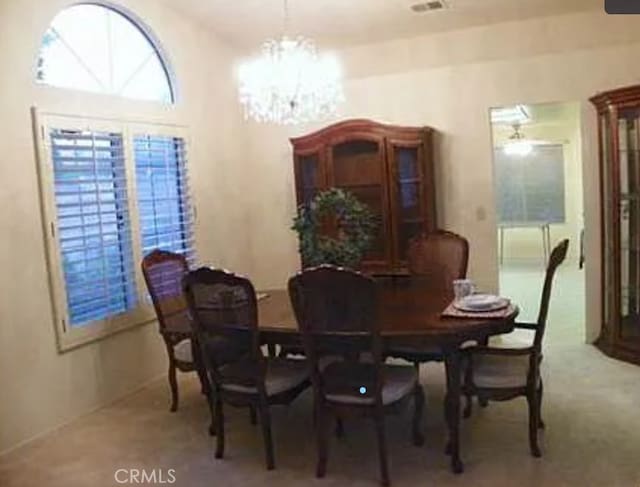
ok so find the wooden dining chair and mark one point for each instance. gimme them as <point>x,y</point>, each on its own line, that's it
<point>336,312</point>
<point>503,373</point>
<point>225,319</point>
<point>436,260</point>
<point>163,272</point>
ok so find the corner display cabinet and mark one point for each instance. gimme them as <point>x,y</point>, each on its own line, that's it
<point>619,139</point>
<point>387,167</point>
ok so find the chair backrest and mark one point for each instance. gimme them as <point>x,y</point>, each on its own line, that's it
<point>439,257</point>
<point>336,312</point>
<point>224,315</point>
<point>558,256</point>
<point>163,272</point>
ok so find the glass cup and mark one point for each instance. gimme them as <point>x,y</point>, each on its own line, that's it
<point>462,288</point>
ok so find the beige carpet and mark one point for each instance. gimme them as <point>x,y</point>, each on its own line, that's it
<point>592,411</point>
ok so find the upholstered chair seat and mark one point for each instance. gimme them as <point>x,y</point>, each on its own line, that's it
<point>399,381</point>
<point>183,351</point>
<point>280,375</point>
<point>500,371</point>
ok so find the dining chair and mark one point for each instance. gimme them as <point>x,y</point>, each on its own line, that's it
<point>336,312</point>
<point>225,319</point>
<point>503,373</point>
<point>163,272</point>
<point>436,260</point>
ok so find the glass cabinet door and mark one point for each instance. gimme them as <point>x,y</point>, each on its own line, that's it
<point>310,176</point>
<point>628,125</point>
<point>408,193</point>
<point>357,166</point>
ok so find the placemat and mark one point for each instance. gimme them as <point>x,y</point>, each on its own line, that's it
<point>452,312</point>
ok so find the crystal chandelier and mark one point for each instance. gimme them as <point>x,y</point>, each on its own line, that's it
<point>290,82</point>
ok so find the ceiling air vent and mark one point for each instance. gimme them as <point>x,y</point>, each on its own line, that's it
<point>428,6</point>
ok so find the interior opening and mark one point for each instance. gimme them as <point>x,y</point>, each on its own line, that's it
<point>539,201</point>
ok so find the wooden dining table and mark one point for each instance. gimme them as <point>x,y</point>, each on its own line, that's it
<point>409,314</point>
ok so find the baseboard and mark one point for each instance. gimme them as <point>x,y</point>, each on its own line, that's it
<point>53,429</point>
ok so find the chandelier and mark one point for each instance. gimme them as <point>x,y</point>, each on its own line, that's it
<point>290,83</point>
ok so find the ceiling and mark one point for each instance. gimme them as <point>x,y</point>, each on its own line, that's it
<point>246,23</point>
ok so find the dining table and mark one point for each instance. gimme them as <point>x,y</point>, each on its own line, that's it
<point>410,313</point>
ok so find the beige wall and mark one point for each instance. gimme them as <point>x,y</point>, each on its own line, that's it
<point>449,81</point>
<point>524,245</point>
<point>41,388</point>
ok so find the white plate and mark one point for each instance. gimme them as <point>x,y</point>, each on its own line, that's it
<point>481,302</point>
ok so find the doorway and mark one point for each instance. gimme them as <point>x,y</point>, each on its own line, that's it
<point>537,157</point>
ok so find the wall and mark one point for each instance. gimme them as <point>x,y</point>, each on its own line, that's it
<point>449,81</point>
<point>41,388</point>
<point>524,245</point>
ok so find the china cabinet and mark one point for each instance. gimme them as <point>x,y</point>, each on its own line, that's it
<point>619,141</point>
<point>389,168</point>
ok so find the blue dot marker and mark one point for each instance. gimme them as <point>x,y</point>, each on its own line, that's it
<point>363,390</point>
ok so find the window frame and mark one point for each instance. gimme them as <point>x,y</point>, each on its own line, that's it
<point>145,31</point>
<point>69,337</point>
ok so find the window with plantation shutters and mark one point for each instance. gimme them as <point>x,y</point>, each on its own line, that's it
<point>112,191</point>
<point>163,198</point>
<point>93,224</point>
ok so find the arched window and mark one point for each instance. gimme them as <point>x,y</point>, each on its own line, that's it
<point>91,47</point>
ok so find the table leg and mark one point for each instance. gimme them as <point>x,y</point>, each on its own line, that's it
<point>452,359</point>
<point>501,231</point>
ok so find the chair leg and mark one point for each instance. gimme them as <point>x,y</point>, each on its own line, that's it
<point>219,427</point>
<point>322,437</point>
<point>339,428</point>
<point>212,410</point>
<point>382,447</point>
<point>540,392</point>
<point>253,419</point>
<point>198,363</point>
<point>468,406</point>
<point>418,397</point>
<point>532,401</point>
<point>265,422</point>
<point>173,383</point>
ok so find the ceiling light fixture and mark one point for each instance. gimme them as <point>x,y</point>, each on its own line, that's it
<point>517,145</point>
<point>290,83</point>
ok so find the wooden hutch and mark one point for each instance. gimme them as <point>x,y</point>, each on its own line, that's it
<point>387,167</point>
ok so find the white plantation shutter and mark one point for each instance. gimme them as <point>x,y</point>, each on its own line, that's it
<point>164,206</point>
<point>93,224</point>
<point>112,191</point>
